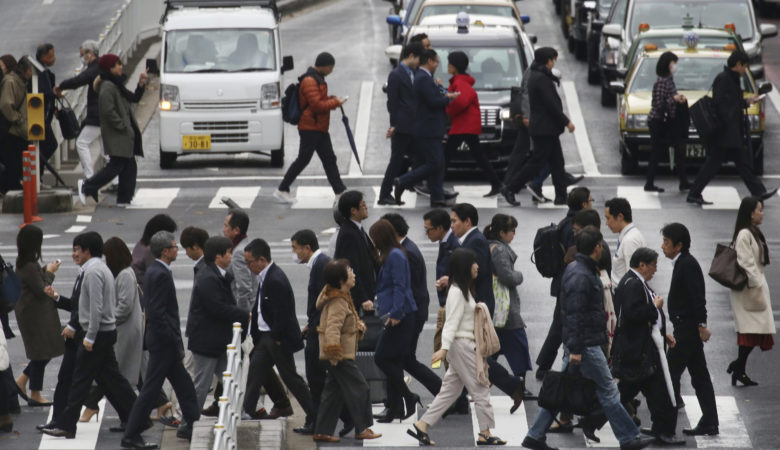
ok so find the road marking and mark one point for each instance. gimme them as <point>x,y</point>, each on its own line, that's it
<point>510,427</point>
<point>393,434</point>
<point>638,198</point>
<point>580,130</point>
<point>361,125</point>
<point>774,97</point>
<point>244,196</point>
<point>606,436</point>
<point>76,229</point>
<point>722,197</point>
<point>50,236</point>
<point>549,192</point>
<point>314,197</point>
<point>410,201</point>
<point>83,219</point>
<point>154,198</point>
<point>48,2</point>
<point>474,194</point>
<point>86,434</point>
<point>379,176</point>
<point>733,433</point>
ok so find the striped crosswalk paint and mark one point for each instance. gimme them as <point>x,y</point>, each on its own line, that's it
<point>410,199</point>
<point>474,194</point>
<point>393,434</point>
<point>153,198</point>
<point>510,427</point>
<point>314,197</point>
<point>86,434</point>
<point>244,196</point>
<point>722,197</point>
<point>733,433</point>
<point>638,198</point>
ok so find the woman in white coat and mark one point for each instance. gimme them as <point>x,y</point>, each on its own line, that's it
<point>6,419</point>
<point>753,317</point>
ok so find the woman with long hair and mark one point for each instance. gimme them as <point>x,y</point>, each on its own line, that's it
<point>458,346</point>
<point>753,317</point>
<point>394,301</point>
<point>36,314</point>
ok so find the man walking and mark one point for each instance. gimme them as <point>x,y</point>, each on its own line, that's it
<point>354,245</point>
<point>313,126</point>
<point>619,218</point>
<point>45,55</point>
<point>687,305</point>
<point>244,284</point>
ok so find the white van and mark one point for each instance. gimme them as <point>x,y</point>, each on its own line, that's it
<point>220,80</point>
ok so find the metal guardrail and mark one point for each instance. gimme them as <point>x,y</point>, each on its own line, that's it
<point>226,428</point>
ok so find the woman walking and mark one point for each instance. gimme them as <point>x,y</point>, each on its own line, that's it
<point>466,118</point>
<point>36,314</point>
<point>339,330</point>
<point>395,300</point>
<point>753,317</point>
<point>668,109</point>
<point>459,348</point>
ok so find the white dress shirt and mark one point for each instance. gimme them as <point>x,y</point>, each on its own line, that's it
<point>262,325</point>
<point>629,240</point>
<point>463,238</point>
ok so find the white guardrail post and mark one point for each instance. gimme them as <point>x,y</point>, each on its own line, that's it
<point>226,428</point>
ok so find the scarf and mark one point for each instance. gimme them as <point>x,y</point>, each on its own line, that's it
<point>237,240</point>
<point>545,70</point>
<point>764,257</point>
<point>119,81</point>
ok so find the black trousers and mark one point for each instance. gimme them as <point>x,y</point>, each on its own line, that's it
<point>689,353</point>
<point>314,141</point>
<point>391,355</point>
<point>34,370</point>
<point>415,368</point>
<point>546,150</point>
<point>97,365</point>
<point>401,146</point>
<point>662,413</point>
<point>432,168</point>
<point>660,144</point>
<point>10,400</point>
<point>520,153</point>
<point>264,357</point>
<point>472,142</point>
<point>65,377</point>
<point>315,369</point>
<point>164,362</point>
<point>125,168</point>
<point>716,157</point>
<point>345,388</point>
<point>11,153</point>
<point>549,351</point>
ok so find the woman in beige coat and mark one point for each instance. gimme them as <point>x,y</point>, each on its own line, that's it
<point>753,317</point>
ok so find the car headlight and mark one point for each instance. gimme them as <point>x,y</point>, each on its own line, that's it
<point>755,122</point>
<point>636,122</point>
<point>169,98</point>
<point>269,95</point>
<point>506,114</point>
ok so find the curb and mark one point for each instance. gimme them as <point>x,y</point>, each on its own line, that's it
<point>273,433</point>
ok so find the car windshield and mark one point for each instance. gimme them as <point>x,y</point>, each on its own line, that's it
<point>493,68</point>
<point>693,74</point>
<point>219,50</point>
<point>678,42</point>
<point>484,10</point>
<point>604,7</point>
<point>713,13</point>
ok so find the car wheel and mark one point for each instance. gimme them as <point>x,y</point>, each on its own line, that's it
<point>581,50</point>
<point>628,164</point>
<point>167,159</point>
<point>277,157</point>
<point>593,75</point>
<point>607,98</point>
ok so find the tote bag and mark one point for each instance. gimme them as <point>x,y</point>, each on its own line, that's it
<point>725,269</point>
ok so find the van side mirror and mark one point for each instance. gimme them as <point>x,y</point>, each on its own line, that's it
<point>613,30</point>
<point>525,19</point>
<point>617,87</point>
<point>768,30</point>
<point>287,63</point>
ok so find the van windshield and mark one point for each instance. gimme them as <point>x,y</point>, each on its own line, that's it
<point>710,13</point>
<point>219,50</point>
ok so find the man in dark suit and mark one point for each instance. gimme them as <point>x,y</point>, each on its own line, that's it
<point>688,312</point>
<point>275,333</point>
<point>164,342</point>
<point>354,245</point>
<point>430,127</point>
<point>402,106</point>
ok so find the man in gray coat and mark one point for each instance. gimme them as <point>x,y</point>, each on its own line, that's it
<point>244,284</point>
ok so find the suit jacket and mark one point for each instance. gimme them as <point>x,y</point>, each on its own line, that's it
<point>316,283</point>
<point>729,106</point>
<point>401,100</point>
<point>443,263</point>
<point>431,117</point>
<point>476,241</point>
<point>636,314</point>
<point>163,328</point>
<point>355,246</point>
<point>277,304</point>
<point>547,117</point>
<point>687,303</point>
<point>199,265</point>
<point>419,278</point>
<point>213,311</point>
<point>394,286</point>
<point>244,283</point>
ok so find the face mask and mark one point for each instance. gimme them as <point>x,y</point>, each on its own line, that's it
<point>673,68</point>
<point>557,73</point>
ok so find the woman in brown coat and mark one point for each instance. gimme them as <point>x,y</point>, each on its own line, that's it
<point>36,313</point>
<point>339,331</point>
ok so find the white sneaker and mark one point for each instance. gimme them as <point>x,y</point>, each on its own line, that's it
<point>125,205</point>
<point>284,197</point>
<point>80,190</point>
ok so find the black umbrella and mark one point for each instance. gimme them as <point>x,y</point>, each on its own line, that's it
<point>351,138</point>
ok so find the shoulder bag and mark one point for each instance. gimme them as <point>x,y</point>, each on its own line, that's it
<point>69,123</point>
<point>725,269</point>
<point>567,391</point>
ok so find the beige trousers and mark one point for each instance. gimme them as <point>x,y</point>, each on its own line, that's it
<point>440,317</point>
<point>462,357</point>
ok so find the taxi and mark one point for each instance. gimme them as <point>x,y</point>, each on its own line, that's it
<point>696,69</point>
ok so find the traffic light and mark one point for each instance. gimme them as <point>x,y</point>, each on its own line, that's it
<point>35,118</point>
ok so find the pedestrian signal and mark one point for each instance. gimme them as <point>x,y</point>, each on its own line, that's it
<point>35,118</point>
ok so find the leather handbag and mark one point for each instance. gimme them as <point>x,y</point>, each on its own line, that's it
<point>374,329</point>
<point>69,123</point>
<point>705,118</point>
<point>10,287</point>
<point>634,371</point>
<point>567,391</point>
<point>725,269</point>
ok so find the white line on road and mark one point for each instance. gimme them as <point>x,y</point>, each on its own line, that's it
<point>774,97</point>
<point>244,196</point>
<point>733,433</point>
<point>580,131</point>
<point>86,434</point>
<point>48,2</point>
<point>154,198</point>
<point>76,229</point>
<point>83,219</point>
<point>361,125</point>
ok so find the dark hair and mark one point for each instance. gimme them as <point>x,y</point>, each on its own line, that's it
<point>438,218</point>
<point>349,200</point>
<point>23,65</point>
<point>744,214</point>
<point>543,54</point>
<point>192,236</point>
<point>335,272</point>
<point>459,60</point>
<point>383,235</point>
<point>259,248</point>
<point>461,261</point>
<point>306,237</point>
<point>238,219</point>
<point>9,61</point>
<point>587,240</point>
<point>428,55</point>
<point>643,255</point>
<point>677,233</point>
<point>161,241</point>
<point>587,217</point>
<point>466,211</point>
<point>160,222</point>
<point>605,263</point>
<point>619,205</point>
<point>662,67</point>
<point>500,222</point>
<point>28,245</point>
<point>737,56</point>
<point>412,48</point>
<point>216,245</point>
<point>419,37</point>
<point>398,222</point>
<point>91,241</point>
<point>577,197</point>
<point>118,256</point>
<point>42,50</point>
<point>337,217</point>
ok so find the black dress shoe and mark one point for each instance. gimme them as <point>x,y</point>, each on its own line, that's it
<point>572,179</point>
<point>388,201</point>
<point>701,431</point>
<point>669,440</point>
<point>137,442</point>
<point>59,432</point>
<point>768,194</point>
<point>637,443</point>
<point>495,190</point>
<point>398,191</point>
<point>534,444</point>
<point>32,402</point>
<point>509,196</point>
<point>653,188</point>
<point>391,416</point>
<point>211,411</point>
<point>698,200</point>
<point>538,196</point>
<point>449,195</point>
<point>648,431</point>
<point>184,431</point>
<point>45,426</point>
<point>307,429</point>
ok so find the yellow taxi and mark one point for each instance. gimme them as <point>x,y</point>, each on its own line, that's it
<point>696,70</point>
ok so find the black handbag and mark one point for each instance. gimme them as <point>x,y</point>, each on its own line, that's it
<point>374,329</point>
<point>69,123</point>
<point>636,369</point>
<point>566,391</point>
<point>705,118</point>
<point>10,287</point>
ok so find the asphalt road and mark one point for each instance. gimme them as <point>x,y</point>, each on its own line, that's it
<point>354,31</point>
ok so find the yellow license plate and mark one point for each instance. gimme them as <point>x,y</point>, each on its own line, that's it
<point>196,142</point>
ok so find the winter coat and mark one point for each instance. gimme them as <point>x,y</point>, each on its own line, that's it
<point>118,128</point>
<point>129,324</point>
<point>86,78</point>
<point>547,117</point>
<point>729,107</point>
<point>338,330</point>
<point>394,287</point>
<point>315,102</point>
<point>503,258</point>
<point>464,114</point>
<point>752,305</point>
<point>582,305</point>
<point>36,314</point>
<point>13,94</point>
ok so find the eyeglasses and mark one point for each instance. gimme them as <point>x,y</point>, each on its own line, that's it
<point>428,230</point>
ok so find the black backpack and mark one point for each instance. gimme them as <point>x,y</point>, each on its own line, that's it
<point>291,108</point>
<point>548,252</point>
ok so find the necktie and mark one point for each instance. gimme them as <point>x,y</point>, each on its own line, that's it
<point>77,284</point>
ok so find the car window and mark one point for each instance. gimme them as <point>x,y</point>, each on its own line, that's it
<point>604,7</point>
<point>484,10</point>
<point>493,68</point>
<point>411,11</point>
<point>219,50</point>
<point>693,74</point>
<point>618,13</point>
<point>678,42</point>
<point>672,13</point>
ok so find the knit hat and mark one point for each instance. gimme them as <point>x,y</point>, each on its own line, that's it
<point>324,59</point>
<point>107,61</point>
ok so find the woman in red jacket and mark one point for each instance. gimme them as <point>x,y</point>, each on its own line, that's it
<point>466,119</point>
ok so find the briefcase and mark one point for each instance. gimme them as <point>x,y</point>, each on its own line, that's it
<point>704,118</point>
<point>69,123</point>
<point>374,329</point>
<point>566,391</point>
